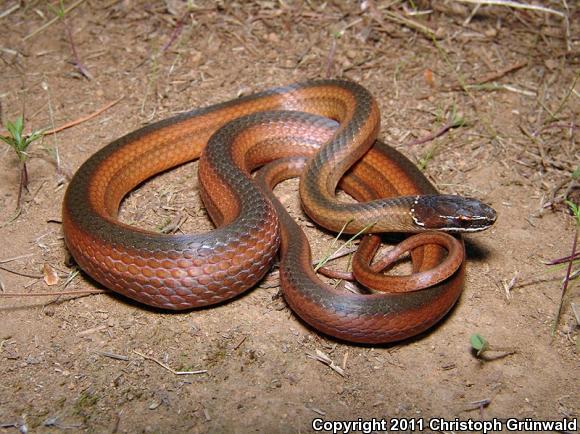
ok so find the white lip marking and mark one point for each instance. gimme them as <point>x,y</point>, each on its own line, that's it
<point>462,229</point>
<point>417,222</point>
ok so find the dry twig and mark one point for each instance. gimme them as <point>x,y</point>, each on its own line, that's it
<point>323,358</point>
<point>514,5</point>
<point>492,76</point>
<point>83,118</point>
<point>173,371</point>
<point>53,293</point>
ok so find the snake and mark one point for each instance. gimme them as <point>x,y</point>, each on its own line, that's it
<point>184,271</point>
<point>392,315</point>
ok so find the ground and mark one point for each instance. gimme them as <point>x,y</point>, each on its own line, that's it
<point>76,363</point>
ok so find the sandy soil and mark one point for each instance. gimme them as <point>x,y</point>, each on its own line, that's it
<point>76,363</point>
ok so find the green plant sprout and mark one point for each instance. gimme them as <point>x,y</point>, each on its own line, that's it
<point>427,157</point>
<point>478,343</point>
<point>60,10</point>
<point>481,345</point>
<point>575,208</point>
<point>20,143</point>
<point>327,257</point>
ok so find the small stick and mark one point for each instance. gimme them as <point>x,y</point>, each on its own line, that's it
<point>84,118</point>
<point>173,371</point>
<point>239,344</point>
<point>176,32</point>
<point>79,120</point>
<point>113,355</point>
<point>481,402</point>
<point>471,15</point>
<point>499,74</point>
<point>3,261</point>
<point>91,331</point>
<point>564,259</point>
<point>11,9</point>
<point>206,414</point>
<point>514,5</point>
<point>323,358</point>
<point>393,16</point>
<point>533,280</point>
<point>316,410</point>
<point>33,276</point>
<point>342,251</point>
<point>344,361</point>
<point>77,62</point>
<point>509,286</point>
<point>492,76</point>
<point>53,293</point>
<point>440,132</point>
<point>480,405</point>
<point>409,23</point>
<point>566,280</point>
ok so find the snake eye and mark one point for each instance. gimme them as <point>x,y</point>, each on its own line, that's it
<point>452,213</point>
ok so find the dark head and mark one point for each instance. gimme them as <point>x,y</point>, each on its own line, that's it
<point>452,213</point>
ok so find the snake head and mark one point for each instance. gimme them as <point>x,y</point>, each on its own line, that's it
<point>452,213</point>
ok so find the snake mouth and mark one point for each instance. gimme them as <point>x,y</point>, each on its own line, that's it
<point>451,213</point>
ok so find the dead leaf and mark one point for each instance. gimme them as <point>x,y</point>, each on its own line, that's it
<point>50,276</point>
<point>428,76</point>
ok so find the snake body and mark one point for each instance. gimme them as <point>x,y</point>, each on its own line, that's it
<point>377,317</point>
<point>185,271</point>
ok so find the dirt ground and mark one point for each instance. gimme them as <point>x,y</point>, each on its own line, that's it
<point>87,363</point>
